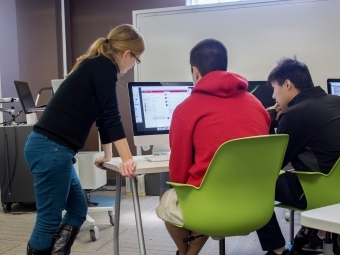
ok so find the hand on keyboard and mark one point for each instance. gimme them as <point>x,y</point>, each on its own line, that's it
<point>155,158</point>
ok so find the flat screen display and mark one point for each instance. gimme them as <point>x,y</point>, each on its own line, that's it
<point>333,86</point>
<point>262,92</point>
<point>152,105</point>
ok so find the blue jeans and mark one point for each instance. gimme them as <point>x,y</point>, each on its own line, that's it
<point>56,186</point>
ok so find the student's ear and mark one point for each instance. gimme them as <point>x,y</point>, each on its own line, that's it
<point>289,85</point>
<point>196,74</point>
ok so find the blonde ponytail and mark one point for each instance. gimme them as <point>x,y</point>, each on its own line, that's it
<point>120,39</point>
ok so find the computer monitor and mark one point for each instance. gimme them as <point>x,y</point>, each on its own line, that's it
<point>152,105</point>
<point>56,84</point>
<point>262,92</point>
<point>333,86</point>
<point>26,98</point>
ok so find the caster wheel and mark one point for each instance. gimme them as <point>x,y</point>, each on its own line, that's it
<point>7,207</point>
<point>111,218</point>
<point>94,233</point>
<point>287,217</point>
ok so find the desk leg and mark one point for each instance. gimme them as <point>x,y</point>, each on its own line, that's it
<point>138,216</point>
<point>328,244</point>
<point>291,227</point>
<point>117,214</point>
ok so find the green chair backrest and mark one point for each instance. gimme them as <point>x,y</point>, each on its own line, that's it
<point>321,189</point>
<point>236,195</point>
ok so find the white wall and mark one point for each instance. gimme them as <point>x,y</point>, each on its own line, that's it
<point>9,66</point>
<point>256,33</point>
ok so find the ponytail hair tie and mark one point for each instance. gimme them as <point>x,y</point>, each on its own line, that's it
<point>106,40</point>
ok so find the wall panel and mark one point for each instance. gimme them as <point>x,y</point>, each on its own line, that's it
<point>256,34</point>
<point>93,19</point>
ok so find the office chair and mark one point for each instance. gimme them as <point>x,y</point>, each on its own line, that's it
<point>92,178</point>
<point>236,196</point>
<point>320,190</point>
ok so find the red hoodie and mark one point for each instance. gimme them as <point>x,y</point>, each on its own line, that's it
<point>219,109</point>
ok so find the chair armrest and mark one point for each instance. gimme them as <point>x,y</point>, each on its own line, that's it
<point>303,172</point>
<point>176,184</point>
<point>308,173</point>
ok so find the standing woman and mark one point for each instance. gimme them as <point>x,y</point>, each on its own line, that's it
<point>87,95</point>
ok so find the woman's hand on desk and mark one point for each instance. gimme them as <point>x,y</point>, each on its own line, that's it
<point>99,161</point>
<point>127,168</point>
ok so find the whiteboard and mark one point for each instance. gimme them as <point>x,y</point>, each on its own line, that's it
<point>256,34</point>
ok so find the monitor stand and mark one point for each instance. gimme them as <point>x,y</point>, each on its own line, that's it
<point>161,149</point>
<point>158,149</point>
<point>155,184</point>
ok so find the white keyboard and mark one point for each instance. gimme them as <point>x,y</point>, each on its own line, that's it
<point>155,158</point>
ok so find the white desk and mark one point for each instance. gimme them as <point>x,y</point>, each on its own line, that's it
<point>325,218</point>
<point>143,167</point>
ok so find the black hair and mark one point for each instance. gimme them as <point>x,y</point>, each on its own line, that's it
<point>209,55</point>
<point>293,70</point>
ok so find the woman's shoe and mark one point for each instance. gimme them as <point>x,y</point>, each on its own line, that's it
<point>63,239</point>
<point>33,251</point>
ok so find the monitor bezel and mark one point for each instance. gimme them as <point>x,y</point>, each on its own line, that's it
<point>132,110</point>
<point>329,81</point>
<point>265,84</point>
<point>18,85</point>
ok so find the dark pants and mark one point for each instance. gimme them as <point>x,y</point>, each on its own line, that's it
<point>288,191</point>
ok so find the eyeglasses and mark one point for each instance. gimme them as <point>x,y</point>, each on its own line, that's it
<point>138,61</point>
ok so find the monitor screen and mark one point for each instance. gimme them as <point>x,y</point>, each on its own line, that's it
<point>333,86</point>
<point>56,84</point>
<point>152,105</point>
<point>25,95</point>
<point>262,92</point>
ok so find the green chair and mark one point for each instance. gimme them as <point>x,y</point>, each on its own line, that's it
<point>236,196</point>
<point>320,190</point>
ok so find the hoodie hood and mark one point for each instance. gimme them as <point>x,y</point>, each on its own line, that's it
<point>221,84</point>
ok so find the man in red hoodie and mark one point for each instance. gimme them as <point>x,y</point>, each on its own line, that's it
<point>219,109</point>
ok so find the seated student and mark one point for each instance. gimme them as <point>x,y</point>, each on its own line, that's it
<point>311,118</point>
<point>219,109</point>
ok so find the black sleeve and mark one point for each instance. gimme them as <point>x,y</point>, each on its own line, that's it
<point>109,124</point>
<point>292,123</point>
<point>273,122</point>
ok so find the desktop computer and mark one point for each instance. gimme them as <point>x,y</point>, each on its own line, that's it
<point>333,86</point>
<point>152,105</point>
<point>56,84</point>
<point>262,91</point>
